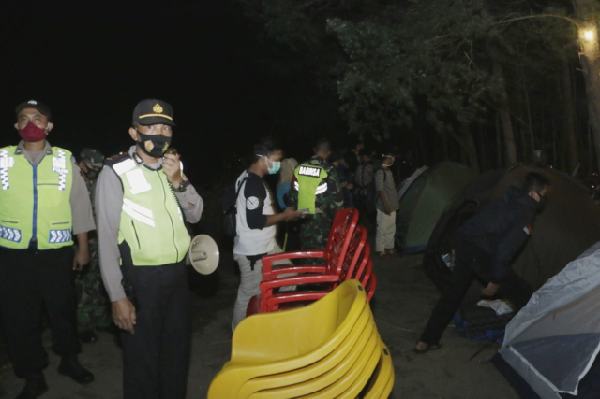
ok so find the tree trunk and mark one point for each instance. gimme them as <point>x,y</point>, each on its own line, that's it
<point>498,130</point>
<point>590,64</point>
<point>569,128</point>
<point>468,145</point>
<point>508,134</point>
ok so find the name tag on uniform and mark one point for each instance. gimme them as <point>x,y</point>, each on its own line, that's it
<point>309,171</point>
<point>7,162</point>
<point>137,182</point>
<point>59,165</point>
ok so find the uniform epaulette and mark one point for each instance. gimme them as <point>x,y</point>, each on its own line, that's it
<point>120,157</point>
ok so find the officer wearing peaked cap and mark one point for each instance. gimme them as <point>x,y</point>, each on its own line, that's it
<point>43,205</point>
<point>142,202</point>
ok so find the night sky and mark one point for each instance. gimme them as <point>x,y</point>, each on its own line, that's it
<point>92,64</point>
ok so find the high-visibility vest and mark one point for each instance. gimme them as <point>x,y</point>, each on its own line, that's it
<point>152,223</point>
<point>309,181</point>
<point>35,200</point>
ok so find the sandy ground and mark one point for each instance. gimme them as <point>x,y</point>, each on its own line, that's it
<point>404,297</point>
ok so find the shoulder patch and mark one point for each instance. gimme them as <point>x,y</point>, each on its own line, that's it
<point>252,203</point>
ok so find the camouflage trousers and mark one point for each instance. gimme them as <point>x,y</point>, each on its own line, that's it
<point>314,232</point>
<point>93,305</point>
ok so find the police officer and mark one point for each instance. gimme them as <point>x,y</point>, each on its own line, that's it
<point>142,202</point>
<point>316,191</point>
<point>43,204</point>
<point>93,305</point>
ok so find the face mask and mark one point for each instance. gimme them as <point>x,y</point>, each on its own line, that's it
<point>154,145</point>
<point>274,167</point>
<point>32,133</point>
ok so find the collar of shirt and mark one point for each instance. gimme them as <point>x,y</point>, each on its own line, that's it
<point>34,157</point>
<point>133,154</point>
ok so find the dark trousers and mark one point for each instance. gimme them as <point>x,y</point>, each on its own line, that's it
<point>31,281</point>
<point>156,356</point>
<point>467,260</point>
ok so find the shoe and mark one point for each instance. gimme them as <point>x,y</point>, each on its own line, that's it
<point>70,367</point>
<point>88,337</point>
<point>35,385</point>
<point>423,347</point>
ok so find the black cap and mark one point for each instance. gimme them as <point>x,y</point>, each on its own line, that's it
<point>42,108</point>
<point>152,112</point>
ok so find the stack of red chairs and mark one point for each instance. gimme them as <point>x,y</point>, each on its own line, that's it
<point>347,255</point>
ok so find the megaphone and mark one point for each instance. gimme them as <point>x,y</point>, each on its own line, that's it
<point>203,254</point>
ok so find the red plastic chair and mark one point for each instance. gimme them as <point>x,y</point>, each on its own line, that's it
<point>367,278</point>
<point>271,300</point>
<point>332,255</point>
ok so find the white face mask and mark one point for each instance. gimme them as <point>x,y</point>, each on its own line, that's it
<point>272,166</point>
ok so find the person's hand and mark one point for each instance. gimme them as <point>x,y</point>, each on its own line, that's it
<point>172,168</point>
<point>490,290</point>
<point>81,258</point>
<point>290,214</point>
<point>124,316</point>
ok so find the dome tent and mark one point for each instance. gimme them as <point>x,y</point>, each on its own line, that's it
<point>423,199</point>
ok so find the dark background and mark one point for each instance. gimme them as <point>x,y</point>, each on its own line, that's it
<point>92,63</point>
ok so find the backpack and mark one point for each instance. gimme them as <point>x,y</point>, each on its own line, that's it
<point>228,202</point>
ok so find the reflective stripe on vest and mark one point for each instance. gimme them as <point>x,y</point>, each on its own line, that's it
<point>35,200</point>
<point>309,182</point>
<point>152,223</point>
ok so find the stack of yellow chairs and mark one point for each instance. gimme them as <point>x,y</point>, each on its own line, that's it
<point>328,349</point>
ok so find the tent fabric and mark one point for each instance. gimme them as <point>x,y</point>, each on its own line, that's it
<point>423,199</point>
<point>553,341</point>
<point>567,226</point>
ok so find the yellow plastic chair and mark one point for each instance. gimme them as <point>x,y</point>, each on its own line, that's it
<point>274,343</point>
<point>317,372</point>
<point>383,383</point>
<point>358,358</point>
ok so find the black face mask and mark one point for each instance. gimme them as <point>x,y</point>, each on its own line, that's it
<point>153,145</point>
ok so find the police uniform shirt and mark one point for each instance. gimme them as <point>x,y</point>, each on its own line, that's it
<point>254,203</point>
<point>109,204</point>
<point>81,206</point>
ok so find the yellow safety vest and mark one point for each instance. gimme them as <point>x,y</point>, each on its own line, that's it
<point>34,200</point>
<point>152,223</point>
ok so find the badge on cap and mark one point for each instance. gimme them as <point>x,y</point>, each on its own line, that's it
<point>157,108</point>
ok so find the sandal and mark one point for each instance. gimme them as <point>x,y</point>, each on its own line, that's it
<point>423,347</point>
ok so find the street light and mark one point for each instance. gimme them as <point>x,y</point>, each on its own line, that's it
<point>587,33</point>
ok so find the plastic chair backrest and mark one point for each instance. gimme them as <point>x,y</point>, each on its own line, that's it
<point>272,337</point>
<point>358,269</point>
<point>354,253</point>
<point>343,226</point>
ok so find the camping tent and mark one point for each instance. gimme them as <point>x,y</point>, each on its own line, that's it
<point>424,197</point>
<point>568,225</point>
<point>553,341</point>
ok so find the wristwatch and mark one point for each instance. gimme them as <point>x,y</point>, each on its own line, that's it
<point>182,186</point>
